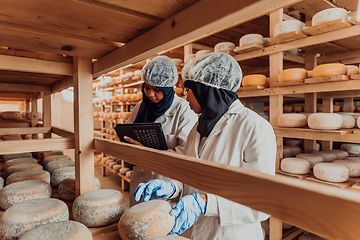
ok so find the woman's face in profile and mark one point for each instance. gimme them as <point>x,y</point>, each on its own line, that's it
<point>153,93</point>
<point>194,105</point>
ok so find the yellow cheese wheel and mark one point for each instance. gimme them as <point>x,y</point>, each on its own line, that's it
<point>352,69</point>
<point>329,69</point>
<point>292,74</point>
<point>336,108</point>
<point>295,120</point>
<point>298,109</point>
<point>266,108</point>
<point>254,80</point>
<point>287,109</point>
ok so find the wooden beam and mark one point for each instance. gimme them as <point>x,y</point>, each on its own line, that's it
<point>62,132</point>
<point>340,94</point>
<point>62,84</point>
<point>30,130</point>
<point>23,87</point>
<point>36,145</point>
<point>198,46</point>
<point>13,96</point>
<point>23,64</point>
<point>34,113</point>
<point>294,58</point>
<point>46,111</point>
<point>275,195</point>
<point>338,56</point>
<point>83,126</point>
<point>181,29</point>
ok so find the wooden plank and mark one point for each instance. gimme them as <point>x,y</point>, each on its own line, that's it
<point>276,195</point>
<point>275,227</point>
<point>62,132</point>
<point>46,110</point>
<point>14,124</point>
<point>23,64</point>
<point>293,58</point>
<point>328,27</point>
<point>290,83</point>
<point>34,113</point>
<point>250,88</point>
<point>36,55</point>
<point>348,104</point>
<point>36,145</point>
<point>23,87</point>
<point>327,79</point>
<point>61,85</point>
<point>180,30</point>
<point>248,48</point>
<point>293,234</point>
<point>287,37</point>
<point>30,130</point>
<point>83,128</point>
<point>298,176</point>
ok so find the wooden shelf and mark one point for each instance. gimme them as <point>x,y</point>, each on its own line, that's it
<point>287,37</point>
<point>328,27</point>
<point>117,173</point>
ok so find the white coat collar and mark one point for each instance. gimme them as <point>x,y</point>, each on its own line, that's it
<point>171,111</point>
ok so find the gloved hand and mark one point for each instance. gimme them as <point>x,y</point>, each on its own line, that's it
<point>187,211</point>
<point>155,188</point>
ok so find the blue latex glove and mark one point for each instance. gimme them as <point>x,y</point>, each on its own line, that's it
<point>187,211</point>
<point>155,188</point>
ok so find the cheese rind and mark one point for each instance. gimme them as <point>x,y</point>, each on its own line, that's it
<point>254,80</point>
<point>28,175</point>
<point>22,167</point>
<point>66,188</point>
<point>60,174</point>
<point>11,115</point>
<point>292,74</point>
<point>295,165</point>
<point>352,165</point>
<point>329,69</point>
<point>327,156</point>
<point>51,166</point>
<point>54,158</point>
<point>351,148</point>
<point>19,161</point>
<point>348,121</point>
<point>311,158</point>
<point>331,172</point>
<point>290,120</point>
<point>224,46</point>
<point>8,157</point>
<point>325,121</point>
<point>340,154</point>
<point>251,39</point>
<point>1,183</point>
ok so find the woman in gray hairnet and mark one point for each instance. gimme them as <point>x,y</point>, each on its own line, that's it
<point>160,104</point>
<point>227,133</point>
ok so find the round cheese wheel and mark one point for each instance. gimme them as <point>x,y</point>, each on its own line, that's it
<point>1,183</point>
<point>129,74</point>
<point>292,74</point>
<point>348,121</point>
<point>19,161</point>
<point>112,164</point>
<point>24,216</point>
<point>24,191</point>
<point>99,207</point>
<point>66,188</point>
<point>327,156</point>
<point>51,166</point>
<point>351,148</point>
<point>188,57</point>
<point>311,158</point>
<point>325,121</point>
<point>54,158</point>
<point>254,80</point>
<point>146,220</point>
<point>292,120</point>
<point>287,109</point>
<point>28,175</point>
<point>60,174</point>
<point>128,174</point>
<point>288,26</point>
<point>297,109</point>
<point>352,165</point>
<point>116,167</point>
<point>329,69</point>
<point>224,46</point>
<point>293,142</point>
<point>329,15</point>
<point>202,53</point>
<point>137,73</point>
<point>336,108</point>
<point>251,39</point>
<point>340,154</point>
<point>295,165</point>
<point>8,157</point>
<point>66,230</point>
<point>352,70</point>
<point>358,121</point>
<point>11,115</point>
<point>286,152</point>
<point>22,167</point>
<point>353,158</point>
<point>331,172</point>
<point>123,171</point>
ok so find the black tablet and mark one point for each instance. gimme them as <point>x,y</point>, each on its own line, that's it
<point>148,134</point>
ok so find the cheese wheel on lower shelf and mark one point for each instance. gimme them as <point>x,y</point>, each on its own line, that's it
<point>352,70</point>
<point>19,161</point>
<point>60,174</point>
<point>327,156</point>
<point>11,115</point>
<point>254,80</point>
<point>67,188</point>
<point>8,157</point>
<point>292,120</point>
<point>311,158</point>
<point>351,148</point>
<point>128,174</point>
<point>22,167</point>
<point>331,172</point>
<point>201,53</point>
<point>146,220</point>
<point>340,154</point>
<point>292,74</point>
<point>353,158</point>
<point>54,158</point>
<point>329,69</point>
<point>28,175</point>
<point>293,142</point>
<point>352,165</point>
<point>51,166</point>
<point>117,167</point>
<point>23,191</point>
<point>66,230</point>
<point>325,121</point>
<point>348,121</point>
<point>295,165</point>
<point>224,46</point>
<point>98,208</point>
<point>24,216</point>
<point>123,171</point>
<point>286,152</point>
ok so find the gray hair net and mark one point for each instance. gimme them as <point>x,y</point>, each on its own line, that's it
<point>160,72</point>
<point>216,69</point>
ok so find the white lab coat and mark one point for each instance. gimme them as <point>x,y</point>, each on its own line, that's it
<point>176,122</point>
<point>241,138</point>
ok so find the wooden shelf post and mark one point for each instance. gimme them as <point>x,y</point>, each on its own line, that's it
<point>34,113</point>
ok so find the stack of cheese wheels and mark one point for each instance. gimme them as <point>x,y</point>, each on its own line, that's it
<point>292,74</point>
<point>331,172</point>
<point>295,165</point>
<point>352,165</point>
<point>249,39</point>
<point>11,115</point>
<point>24,216</point>
<point>351,148</point>
<point>254,80</point>
<point>22,167</point>
<point>99,207</point>
<point>67,188</point>
<point>7,157</point>
<point>28,175</point>
<point>51,166</point>
<point>348,121</point>
<point>146,220</point>
<point>327,156</point>
<point>325,121</point>
<point>340,154</point>
<point>66,230</point>
<point>202,53</point>
<point>311,158</point>
<point>329,69</point>
<point>352,70</point>
<point>329,15</point>
<point>24,191</point>
<point>288,26</point>
<point>292,120</point>
<point>60,174</point>
<point>19,161</point>
<point>224,46</point>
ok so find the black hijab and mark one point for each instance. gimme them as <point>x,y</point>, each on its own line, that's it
<point>214,102</point>
<point>149,111</point>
